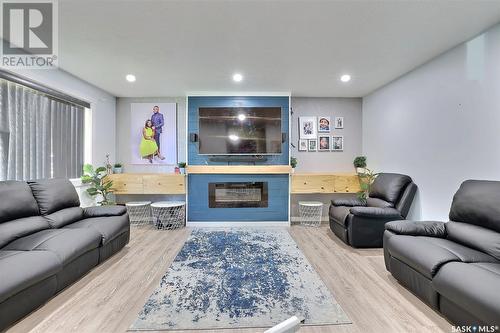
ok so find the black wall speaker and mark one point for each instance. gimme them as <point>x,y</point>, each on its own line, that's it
<point>193,137</point>
<point>284,137</point>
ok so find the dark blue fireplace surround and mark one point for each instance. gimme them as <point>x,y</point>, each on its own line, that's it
<point>278,185</point>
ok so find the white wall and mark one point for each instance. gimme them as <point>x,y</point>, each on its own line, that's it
<point>103,107</point>
<point>440,123</point>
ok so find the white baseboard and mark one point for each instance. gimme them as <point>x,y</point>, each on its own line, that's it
<point>238,224</point>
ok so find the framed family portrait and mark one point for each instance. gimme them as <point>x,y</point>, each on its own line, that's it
<point>307,128</point>
<point>324,143</point>
<point>337,143</point>
<point>339,122</point>
<point>153,133</point>
<point>324,124</point>
<point>302,145</point>
<point>313,145</point>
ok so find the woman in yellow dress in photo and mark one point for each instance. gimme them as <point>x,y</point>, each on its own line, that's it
<point>148,147</point>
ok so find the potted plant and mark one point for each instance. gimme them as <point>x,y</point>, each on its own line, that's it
<point>360,164</point>
<point>366,180</point>
<point>182,167</point>
<point>99,184</point>
<point>293,163</point>
<point>117,168</point>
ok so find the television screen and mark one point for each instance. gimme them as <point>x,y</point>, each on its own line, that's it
<point>240,130</point>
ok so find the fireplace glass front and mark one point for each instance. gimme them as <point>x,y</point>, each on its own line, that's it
<point>237,195</point>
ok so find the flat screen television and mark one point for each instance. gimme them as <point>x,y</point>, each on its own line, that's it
<point>239,130</point>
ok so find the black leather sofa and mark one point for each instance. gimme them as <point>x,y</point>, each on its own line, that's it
<point>362,223</point>
<point>47,242</point>
<point>455,266</point>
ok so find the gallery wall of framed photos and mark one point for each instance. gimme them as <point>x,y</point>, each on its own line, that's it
<point>321,133</point>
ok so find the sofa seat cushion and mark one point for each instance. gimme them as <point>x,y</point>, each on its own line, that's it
<point>108,227</point>
<point>22,269</point>
<point>426,255</point>
<point>66,244</point>
<point>339,214</point>
<point>474,287</point>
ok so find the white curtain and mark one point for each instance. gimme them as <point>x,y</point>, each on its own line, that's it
<point>39,137</point>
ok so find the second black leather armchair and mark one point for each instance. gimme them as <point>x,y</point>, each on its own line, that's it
<point>361,223</point>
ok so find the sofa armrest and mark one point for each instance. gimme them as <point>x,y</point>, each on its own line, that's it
<point>417,228</point>
<point>103,211</point>
<point>349,200</point>
<point>376,212</point>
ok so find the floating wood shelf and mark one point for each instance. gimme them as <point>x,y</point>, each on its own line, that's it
<point>152,183</point>
<point>310,183</point>
<point>238,169</point>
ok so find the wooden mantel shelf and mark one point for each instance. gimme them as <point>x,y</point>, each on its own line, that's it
<point>326,183</point>
<point>148,183</point>
<point>238,169</point>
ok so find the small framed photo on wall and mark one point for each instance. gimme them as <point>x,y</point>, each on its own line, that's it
<point>339,122</point>
<point>302,145</point>
<point>324,125</point>
<point>307,128</point>
<point>324,143</point>
<point>313,145</point>
<point>337,143</point>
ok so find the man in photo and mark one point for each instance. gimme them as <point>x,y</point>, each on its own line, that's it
<point>158,122</point>
<point>324,125</point>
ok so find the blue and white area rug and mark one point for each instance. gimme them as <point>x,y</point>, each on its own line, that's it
<point>235,278</point>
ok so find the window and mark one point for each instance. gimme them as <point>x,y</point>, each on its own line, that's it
<point>40,136</point>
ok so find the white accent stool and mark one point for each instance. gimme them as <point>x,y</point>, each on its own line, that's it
<point>168,215</point>
<point>139,212</point>
<point>310,213</point>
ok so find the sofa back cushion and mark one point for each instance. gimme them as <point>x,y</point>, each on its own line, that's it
<point>477,202</point>
<point>479,238</point>
<point>12,230</point>
<point>16,201</point>
<point>389,186</point>
<point>64,217</point>
<point>54,194</point>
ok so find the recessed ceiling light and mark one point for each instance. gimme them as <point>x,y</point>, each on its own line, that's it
<point>233,137</point>
<point>345,78</point>
<point>241,117</point>
<point>130,77</point>
<point>237,77</point>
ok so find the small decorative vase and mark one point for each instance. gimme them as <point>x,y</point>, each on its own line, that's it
<point>117,170</point>
<point>183,171</point>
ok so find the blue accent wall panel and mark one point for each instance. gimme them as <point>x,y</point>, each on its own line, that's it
<point>198,210</point>
<point>195,102</point>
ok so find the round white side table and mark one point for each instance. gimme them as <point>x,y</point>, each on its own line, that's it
<point>310,213</point>
<point>168,215</point>
<point>139,212</point>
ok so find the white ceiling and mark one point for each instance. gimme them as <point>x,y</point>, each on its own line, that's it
<point>302,47</point>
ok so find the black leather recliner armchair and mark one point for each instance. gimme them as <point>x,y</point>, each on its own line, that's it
<point>455,266</point>
<point>362,223</point>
